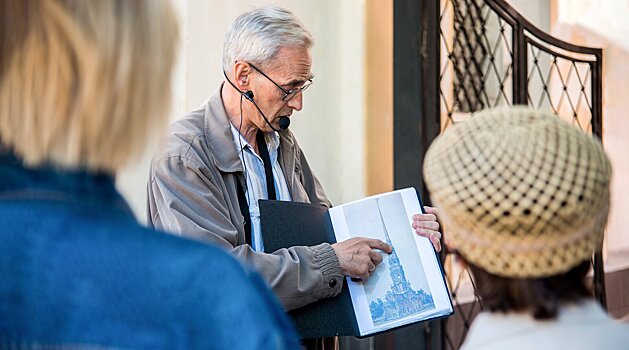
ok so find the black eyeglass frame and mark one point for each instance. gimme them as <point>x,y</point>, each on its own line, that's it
<point>292,92</point>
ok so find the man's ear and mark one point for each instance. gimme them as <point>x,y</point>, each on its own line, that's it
<point>242,70</point>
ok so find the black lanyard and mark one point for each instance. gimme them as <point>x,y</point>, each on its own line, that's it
<point>270,185</point>
<point>268,167</point>
<point>244,210</point>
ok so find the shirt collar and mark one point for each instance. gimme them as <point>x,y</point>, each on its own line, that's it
<point>489,327</point>
<point>272,139</point>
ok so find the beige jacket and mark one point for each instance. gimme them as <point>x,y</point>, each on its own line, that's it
<point>192,192</point>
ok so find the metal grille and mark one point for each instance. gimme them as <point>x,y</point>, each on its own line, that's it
<point>491,56</point>
<point>476,65</point>
<point>560,85</point>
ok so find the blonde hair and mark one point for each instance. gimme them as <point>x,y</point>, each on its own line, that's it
<point>84,83</point>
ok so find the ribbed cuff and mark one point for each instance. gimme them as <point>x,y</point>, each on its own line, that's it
<point>330,269</point>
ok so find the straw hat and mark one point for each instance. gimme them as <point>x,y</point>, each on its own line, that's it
<point>521,193</point>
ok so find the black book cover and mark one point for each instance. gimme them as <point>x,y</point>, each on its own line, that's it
<point>288,224</point>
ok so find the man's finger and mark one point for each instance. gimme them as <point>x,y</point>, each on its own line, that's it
<point>372,268</point>
<point>376,257</point>
<point>378,244</point>
<point>427,233</point>
<point>433,236</point>
<point>431,210</point>
<point>436,242</point>
<point>431,225</point>
<point>424,217</point>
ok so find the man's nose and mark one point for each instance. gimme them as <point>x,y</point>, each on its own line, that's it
<point>296,102</point>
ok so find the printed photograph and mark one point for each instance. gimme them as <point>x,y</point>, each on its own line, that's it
<point>398,287</point>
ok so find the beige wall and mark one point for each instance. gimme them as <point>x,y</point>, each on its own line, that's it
<point>330,128</point>
<point>536,11</point>
<point>379,96</point>
<point>587,22</point>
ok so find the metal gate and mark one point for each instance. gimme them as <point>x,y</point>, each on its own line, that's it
<point>489,55</point>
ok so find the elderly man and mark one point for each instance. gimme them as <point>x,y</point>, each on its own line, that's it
<point>221,159</point>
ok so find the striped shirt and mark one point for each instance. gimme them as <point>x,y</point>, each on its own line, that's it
<point>256,179</point>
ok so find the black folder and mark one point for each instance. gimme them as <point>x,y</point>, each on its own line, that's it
<point>287,224</point>
<point>305,224</point>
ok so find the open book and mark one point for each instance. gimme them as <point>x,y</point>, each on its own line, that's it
<point>407,287</point>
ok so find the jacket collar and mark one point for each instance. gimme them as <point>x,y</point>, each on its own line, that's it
<point>220,140</point>
<point>50,183</point>
<point>287,158</point>
<point>218,135</point>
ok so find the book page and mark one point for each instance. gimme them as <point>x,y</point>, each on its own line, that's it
<point>408,285</point>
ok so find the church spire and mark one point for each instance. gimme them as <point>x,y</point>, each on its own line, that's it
<point>400,284</point>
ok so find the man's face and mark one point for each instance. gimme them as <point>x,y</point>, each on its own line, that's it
<point>290,70</point>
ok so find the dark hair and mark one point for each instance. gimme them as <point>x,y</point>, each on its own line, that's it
<point>540,296</point>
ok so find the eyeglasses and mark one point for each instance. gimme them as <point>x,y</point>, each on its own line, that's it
<point>288,94</point>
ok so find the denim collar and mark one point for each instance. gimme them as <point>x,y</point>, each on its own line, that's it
<point>49,183</point>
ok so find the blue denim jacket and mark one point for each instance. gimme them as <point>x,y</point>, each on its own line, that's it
<point>77,270</point>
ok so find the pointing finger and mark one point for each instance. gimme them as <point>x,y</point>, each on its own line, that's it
<point>378,244</point>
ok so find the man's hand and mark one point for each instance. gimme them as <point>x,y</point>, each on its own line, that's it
<point>426,225</point>
<point>357,256</point>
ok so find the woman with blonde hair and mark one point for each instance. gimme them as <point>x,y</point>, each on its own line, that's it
<point>524,198</point>
<point>83,85</point>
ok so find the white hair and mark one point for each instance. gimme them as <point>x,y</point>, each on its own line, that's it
<point>256,36</point>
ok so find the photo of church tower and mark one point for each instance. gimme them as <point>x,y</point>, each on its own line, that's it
<point>401,299</point>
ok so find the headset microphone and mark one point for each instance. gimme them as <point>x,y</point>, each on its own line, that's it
<point>284,121</point>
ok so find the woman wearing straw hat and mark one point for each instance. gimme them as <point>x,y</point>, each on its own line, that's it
<point>524,198</point>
